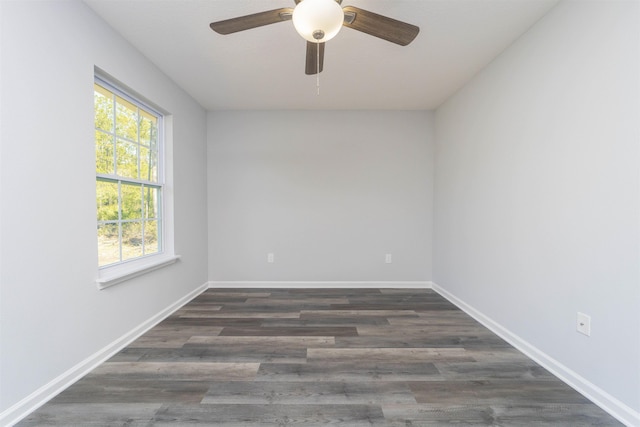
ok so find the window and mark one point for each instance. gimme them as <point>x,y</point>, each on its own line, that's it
<point>129,177</point>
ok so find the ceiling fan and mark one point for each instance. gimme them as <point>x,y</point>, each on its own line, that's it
<point>318,21</point>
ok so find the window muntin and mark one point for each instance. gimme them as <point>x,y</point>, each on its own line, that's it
<point>129,183</point>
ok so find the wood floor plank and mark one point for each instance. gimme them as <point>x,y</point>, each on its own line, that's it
<point>438,415</point>
<point>552,415</point>
<point>358,371</point>
<point>297,301</point>
<point>309,393</point>
<point>180,329</point>
<point>270,415</point>
<point>178,370</point>
<point>251,315</point>
<point>93,414</point>
<point>419,331</point>
<point>241,353</point>
<point>343,357</point>
<point>337,331</point>
<point>319,321</point>
<point>124,390</point>
<point>271,341</point>
<point>208,308</point>
<point>401,341</point>
<point>397,305</point>
<point>224,322</point>
<point>412,293</point>
<point>512,392</point>
<point>163,341</point>
<point>405,355</point>
<point>265,307</point>
<point>388,314</point>
<point>218,294</point>
<point>500,354</point>
<point>524,370</point>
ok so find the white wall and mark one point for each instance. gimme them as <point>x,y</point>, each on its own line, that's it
<point>53,316</point>
<point>537,192</point>
<point>329,193</point>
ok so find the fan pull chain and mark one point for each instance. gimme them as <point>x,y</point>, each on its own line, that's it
<point>318,67</point>
<point>318,35</point>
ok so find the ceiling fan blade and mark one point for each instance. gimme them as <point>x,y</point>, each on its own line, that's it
<point>381,26</point>
<point>255,20</point>
<point>312,57</point>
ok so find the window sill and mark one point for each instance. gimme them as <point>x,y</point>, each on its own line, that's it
<point>120,273</point>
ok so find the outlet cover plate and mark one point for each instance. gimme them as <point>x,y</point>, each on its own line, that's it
<point>583,324</point>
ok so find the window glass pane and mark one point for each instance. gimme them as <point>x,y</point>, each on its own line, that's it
<point>148,127</point>
<point>131,201</point>
<point>104,153</point>
<point>126,159</point>
<point>131,240</point>
<point>151,237</point>
<point>126,119</point>
<point>148,164</point>
<point>151,203</point>
<point>103,102</point>
<point>107,200</point>
<point>145,172</point>
<point>108,244</point>
<point>154,139</point>
<point>153,166</point>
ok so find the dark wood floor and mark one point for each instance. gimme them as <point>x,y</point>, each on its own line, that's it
<point>319,357</point>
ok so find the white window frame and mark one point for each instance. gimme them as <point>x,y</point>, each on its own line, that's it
<point>112,274</point>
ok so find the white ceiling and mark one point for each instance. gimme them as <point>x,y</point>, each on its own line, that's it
<point>263,68</point>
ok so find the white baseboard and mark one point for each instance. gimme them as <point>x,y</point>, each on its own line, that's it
<point>294,284</point>
<point>23,408</point>
<point>604,400</point>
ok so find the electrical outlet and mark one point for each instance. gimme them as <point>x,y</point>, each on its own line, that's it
<point>270,258</point>
<point>387,258</point>
<point>583,324</point>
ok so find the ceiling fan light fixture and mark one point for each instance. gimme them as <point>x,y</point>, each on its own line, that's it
<point>318,18</point>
